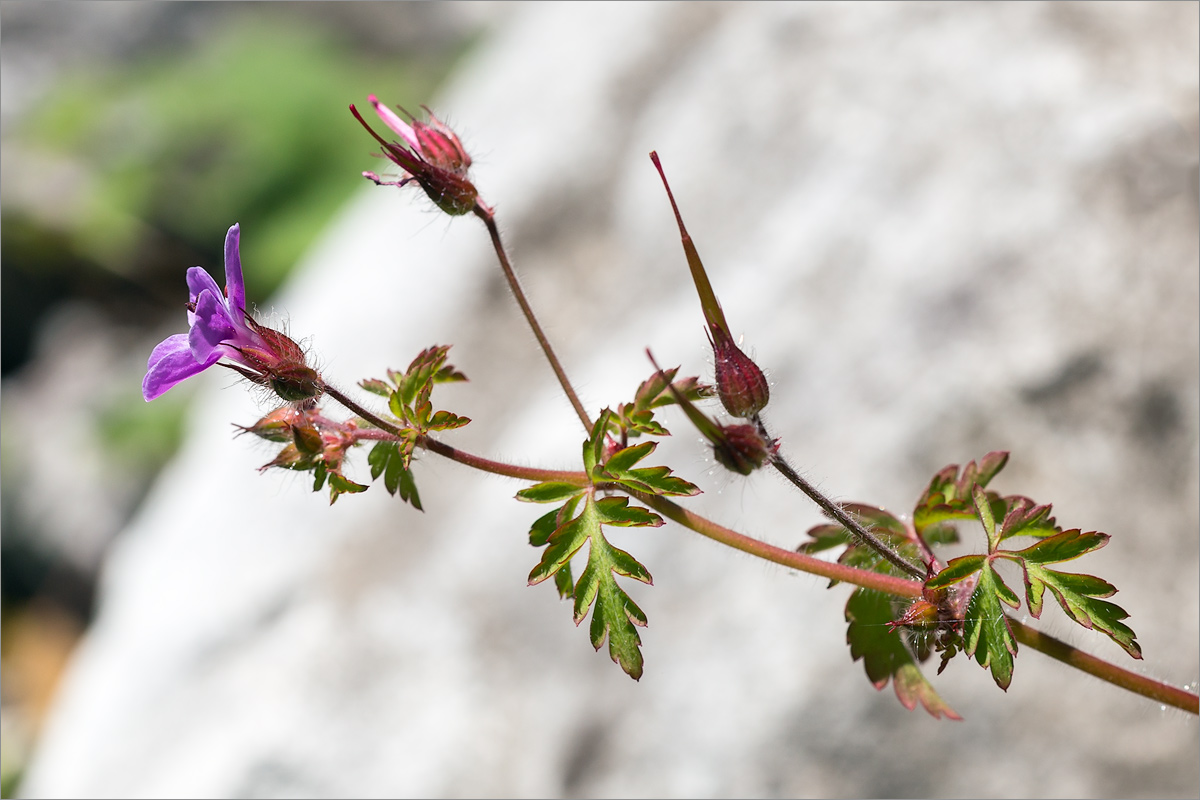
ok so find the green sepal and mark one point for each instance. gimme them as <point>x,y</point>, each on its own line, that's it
<point>885,655</point>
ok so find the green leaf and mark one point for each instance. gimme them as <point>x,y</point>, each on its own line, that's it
<point>949,495</point>
<point>958,569</point>
<point>448,374</point>
<point>593,448</point>
<point>651,480</point>
<point>617,511</point>
<point>615,617</point>
<point>444,420</point>
<point>1022,517</point>
<point>884,654</point>
<point>623,460</point>
<point>1078,595</point>
<point>550,492</point>
<point>339,485</point>
<point>376,386</point>
<point>983,507</point>
<point>389,460</point>
<point>986,632</point>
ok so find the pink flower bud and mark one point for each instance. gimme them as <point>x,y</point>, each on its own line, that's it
<point>741,385</point>
<point>431,155</point>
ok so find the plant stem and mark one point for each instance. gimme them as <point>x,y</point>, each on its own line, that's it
<point>889,584</point>
<point>469,459</point>
<point>1110,673</point>
<point>489,219</point>
<point>834,510</point>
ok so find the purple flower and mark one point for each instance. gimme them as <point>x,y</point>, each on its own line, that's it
<point>221,328</point>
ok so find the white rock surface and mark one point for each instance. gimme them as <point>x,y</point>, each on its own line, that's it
<point>945,229</point>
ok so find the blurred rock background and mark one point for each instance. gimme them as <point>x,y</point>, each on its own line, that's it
<point>944,229</point>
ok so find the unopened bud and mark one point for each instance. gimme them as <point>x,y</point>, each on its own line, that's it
<point>276,426</point>
<point>296,383</point>
<point>307,438</point>
<point>430,154</point>
<point>742,448</point>
<point>741,385</point>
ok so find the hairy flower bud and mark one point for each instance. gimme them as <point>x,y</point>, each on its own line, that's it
<point>742,448</point>
<point>741,385</point>
<point>430,154</point>
<point>276,426</point>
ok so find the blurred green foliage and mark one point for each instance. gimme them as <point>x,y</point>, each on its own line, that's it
<point>250,127</point>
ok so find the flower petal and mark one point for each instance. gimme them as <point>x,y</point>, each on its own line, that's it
<point>235,287</point>
<point>199,282</point>
<point>393,121</point>
<point>211,325</point>
<point>170,363</point>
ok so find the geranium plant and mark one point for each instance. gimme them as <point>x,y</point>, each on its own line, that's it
<point>909,603</point>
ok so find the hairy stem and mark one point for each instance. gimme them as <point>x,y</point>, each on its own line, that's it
<point>889,584</point>
<point>838,513</point>
<point>489,219</point>
<point>1110,673</point>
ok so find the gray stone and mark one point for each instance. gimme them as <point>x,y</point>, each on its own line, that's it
<point>944,229</point>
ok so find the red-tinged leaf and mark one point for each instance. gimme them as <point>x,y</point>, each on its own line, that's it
<point>660,481</point>
<point>1023,517</point>
<point>623,460</point>
<point>444,420</point>
<point>593,448</point>
<point>563,544</point>
<point>949,495</point>
<point>912,687</point>
<point>885,655</point>
<point>448,374</point>
<point>983,508</point>
<point>956,570</point>
<point>564,583</point>
<point>986,633</point>
<point>1064,546</point>
<point>824,537</point>
<point>630,567</point>
<point>617,511</point>
<point>376,386</point>
<point>550,492</point>
<point>1078,595</point>
<point>339,485</point>
<point>543,526</point>
<point>617,618</point>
